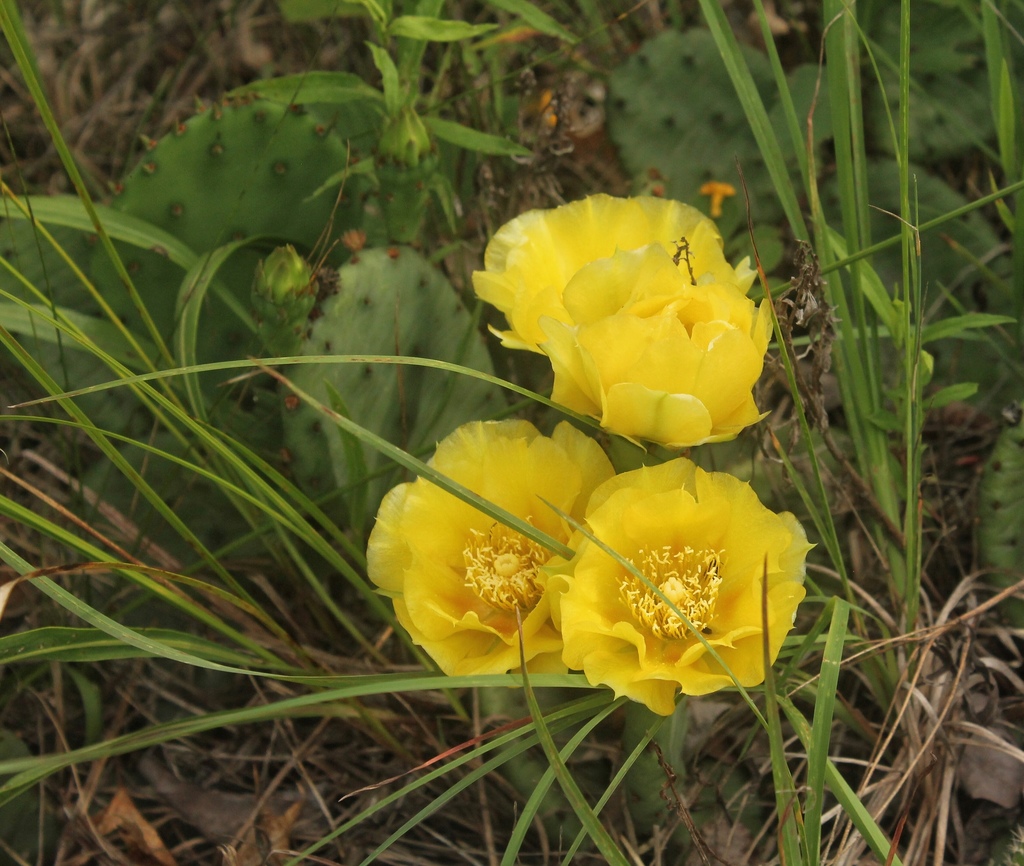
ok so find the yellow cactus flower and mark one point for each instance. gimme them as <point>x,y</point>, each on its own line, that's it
<point>530,260</point>
<point>456,577</point>
<point>706,541</point>
<point>648,328</point>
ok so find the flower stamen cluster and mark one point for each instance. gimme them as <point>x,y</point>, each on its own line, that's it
<point>688,578</point>
<point>502,568</point>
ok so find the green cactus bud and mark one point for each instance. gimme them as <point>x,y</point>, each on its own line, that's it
<point>283,295</point>
<point>404,193</point>
<point>404,140</point>
<point>283,278</point>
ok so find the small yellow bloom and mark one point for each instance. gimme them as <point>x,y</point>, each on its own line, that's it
<point>718,192</point>
<point>705,540</point>
<point>648,328</point>
<point>456,577</point>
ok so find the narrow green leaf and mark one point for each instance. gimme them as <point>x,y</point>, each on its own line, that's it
<point>336,88</point>
<point>604,842</point>
<point>924,227</point>
<point>508,749</point>
<point>870,286</point>
<point>951,394</point>
<point>528,815</point>
<point>32,769</point>
<point>37,321</point>
<point>390,83</point>
<point>68,211</point>
<point>436,29</point>
<point>787,805</point>
<point>821,729</point>
<point>472,139</point>
<point>954,326</point>
<point>757,114</point>
<point>427,471</point>
<point>1007,126</point>
<point>851,804</point>
<point>62,644</point>
<point>92,703</point>
<point>535,17</point>
<point>146,643</point>
<point>17,40</point>
<point>190,306</point>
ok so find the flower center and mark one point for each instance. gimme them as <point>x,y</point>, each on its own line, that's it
<point>502,566</point>
<point>688,578</point>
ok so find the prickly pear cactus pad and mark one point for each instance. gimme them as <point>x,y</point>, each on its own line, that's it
<point>672,109</point>
<point>233,171</point>
<point>387,302</point>
<point>1001,510</point>
<point>680,128</point>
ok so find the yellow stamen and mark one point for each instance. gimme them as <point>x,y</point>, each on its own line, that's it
<point>502,568</point>
<point>688,578</point>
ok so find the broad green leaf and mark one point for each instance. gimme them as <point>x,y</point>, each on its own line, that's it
<point>436,29</point>
<point>471,139</point>
<point>336,88</point>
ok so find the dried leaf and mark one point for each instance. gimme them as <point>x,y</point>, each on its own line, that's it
<point>271,833</point>
<point>143,842</point>
<point>989,773</point>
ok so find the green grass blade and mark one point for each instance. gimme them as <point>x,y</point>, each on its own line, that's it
<point>90,645</point>
<point>821,730</point>
<point>536,799</point>
<point>614,784</point>
<point>757,114</point>
<point>424,470</point>
<point>787,804</point>
<point>506,742</point>
<point>855,810</point>
<point>600,836</point>
<point>10,23</point>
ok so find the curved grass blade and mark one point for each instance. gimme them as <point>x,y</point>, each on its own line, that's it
<point>536,800</point>
<point>594,828</point>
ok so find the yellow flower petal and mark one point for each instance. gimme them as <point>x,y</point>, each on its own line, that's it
<point>530,261</point>
<point>459,581</point>
<point>703,539</point>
